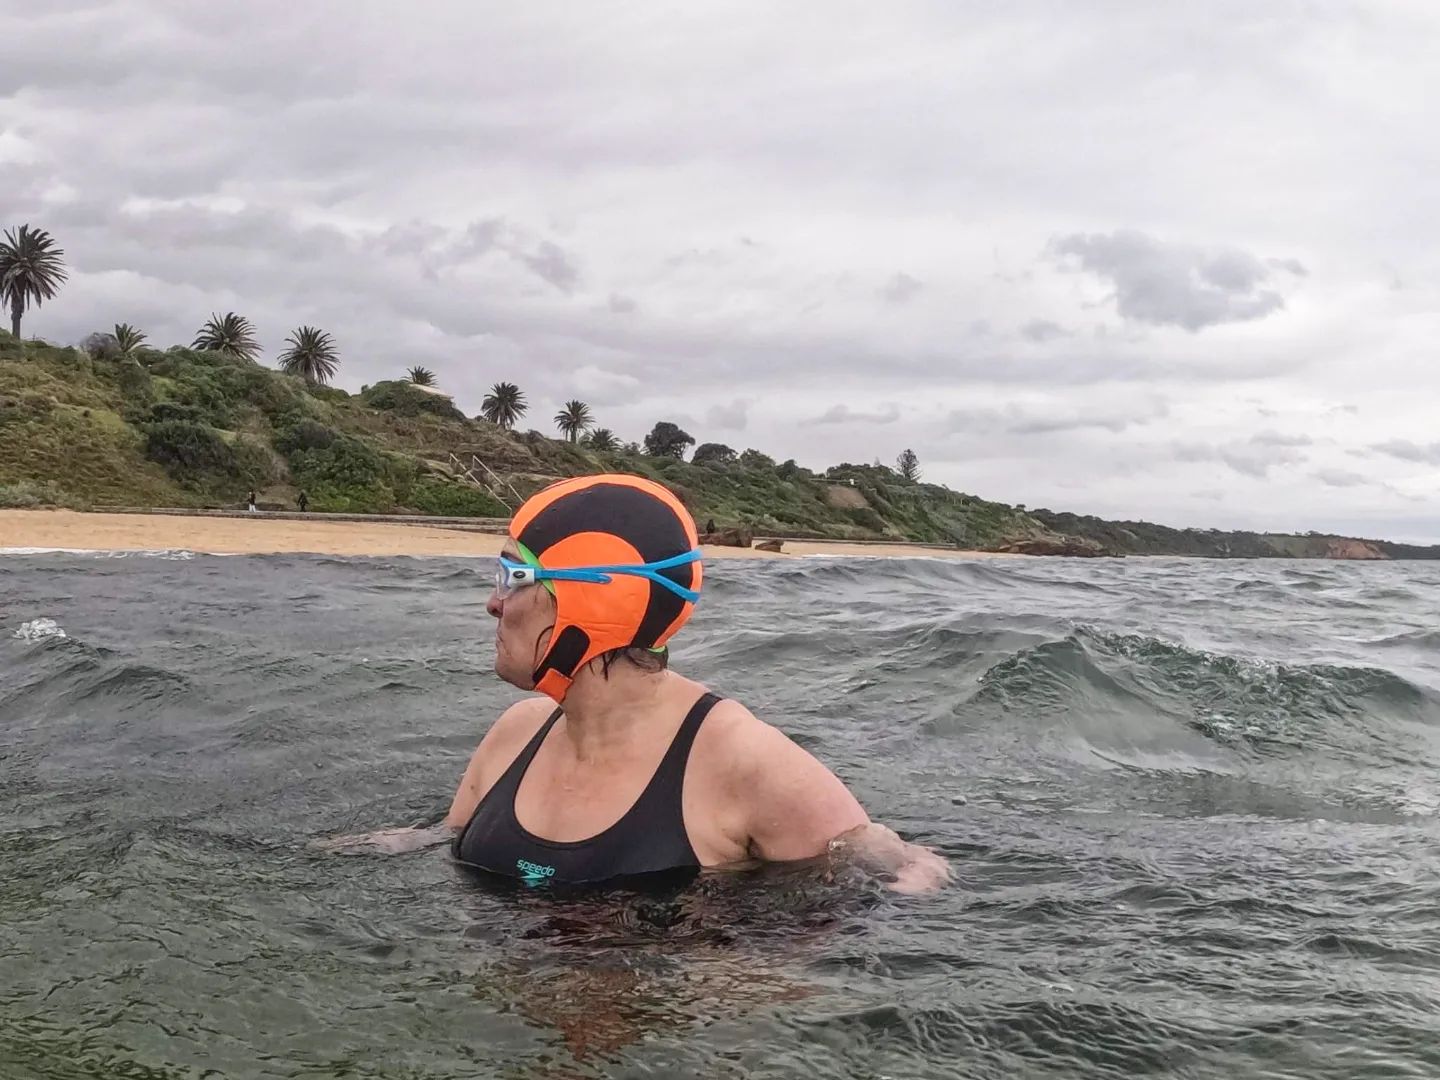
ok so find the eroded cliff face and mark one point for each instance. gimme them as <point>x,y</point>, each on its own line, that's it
<point>1352,549</point>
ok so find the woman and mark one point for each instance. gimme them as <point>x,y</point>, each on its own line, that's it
<point>623,766</point>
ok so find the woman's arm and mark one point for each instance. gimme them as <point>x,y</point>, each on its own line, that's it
<point>798,809</point>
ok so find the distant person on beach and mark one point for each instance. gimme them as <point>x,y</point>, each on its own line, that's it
<point>710,527</point>
<point>622,766</point>
<point>250,501</point>
<point>304,502</point>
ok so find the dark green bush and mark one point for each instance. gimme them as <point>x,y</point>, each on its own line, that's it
<point>133,380</point>
<point>717,454</point>
<point>305,435</point>
<point>346,475</point>
<point>254,464</point>
<point>188,450</point>
<point>430,496</point>
<point>405,399</point>
<point>754,459</point>
<point>161,411</point>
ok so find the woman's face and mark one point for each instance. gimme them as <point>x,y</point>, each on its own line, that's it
<point>525,620</point>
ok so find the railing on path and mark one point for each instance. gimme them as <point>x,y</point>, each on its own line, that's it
<point>491,482</point>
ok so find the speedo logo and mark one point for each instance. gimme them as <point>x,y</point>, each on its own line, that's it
<point>534,870</point>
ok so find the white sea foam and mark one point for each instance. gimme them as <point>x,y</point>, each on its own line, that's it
<point>108,553</point>
<point>39,630</point>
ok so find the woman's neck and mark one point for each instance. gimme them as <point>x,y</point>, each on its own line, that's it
<point>608,714</point>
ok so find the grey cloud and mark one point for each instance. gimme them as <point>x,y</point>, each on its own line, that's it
<point>479,238</point>
<point>901,289</point>
<point>1042,330</point>
<point>843,414</point>
<point>1247,465</point>
<point>1248,459</point>
<point>1277,438</point>
<point>1015,420</point>
<point>411,238</point>
<point>712,257</point>
<point>552,264</point>
<point>731,417</point>
<point>1405,450</point>
<point>1294,266</point>
<point>622,305</point>
<point>1166,284</point>
<point>1339,478</point>
<point>545,258</point>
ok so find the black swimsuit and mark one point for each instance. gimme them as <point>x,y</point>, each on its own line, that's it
<point>650,837</point>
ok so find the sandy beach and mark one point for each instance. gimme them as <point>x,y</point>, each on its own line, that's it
<point>66,529</point>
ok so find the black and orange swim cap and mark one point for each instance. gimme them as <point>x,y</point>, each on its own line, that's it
<point>607,520</point>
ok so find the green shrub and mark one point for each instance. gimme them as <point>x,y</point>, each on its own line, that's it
<point>346,475</point>
<point>132,379</point>
<point>715,454</point>
<point>334,499</point>
<point>404,399</point>
<point>162,411</point>
<point>305,435</point>
<point>189,451</point>
<point>430,496</point>
<point>254,463</point>
<point>209,401</point>
<point>27,493</point>
<point>754,459</point>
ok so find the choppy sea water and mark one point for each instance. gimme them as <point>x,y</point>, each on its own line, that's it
<point>1192,807</point>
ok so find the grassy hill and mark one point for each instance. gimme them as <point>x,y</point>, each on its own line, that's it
<point>200,429</point>
<point>181,428</point>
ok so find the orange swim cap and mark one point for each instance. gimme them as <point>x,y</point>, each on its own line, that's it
<point>607,520</point>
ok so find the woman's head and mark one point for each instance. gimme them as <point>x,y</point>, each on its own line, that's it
<point>594,568</point>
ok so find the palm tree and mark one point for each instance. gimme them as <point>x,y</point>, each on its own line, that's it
<point>504,405</point>
<point>311,355</point>
<point>602,439</point>
<point>233,335</point>
<point>128,338</point>
<point>30,271</point>
<point>574,420</point>
<point>421,376</point>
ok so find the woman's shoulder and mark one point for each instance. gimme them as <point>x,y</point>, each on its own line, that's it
<point>519,722</point>
<point>507,736</point>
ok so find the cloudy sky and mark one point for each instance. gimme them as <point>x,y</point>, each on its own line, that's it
<point>1172,261</point>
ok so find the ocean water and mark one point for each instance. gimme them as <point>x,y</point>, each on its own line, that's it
<point>1192,809</point>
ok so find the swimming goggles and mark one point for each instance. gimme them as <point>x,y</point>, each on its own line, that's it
<point>511,575</point>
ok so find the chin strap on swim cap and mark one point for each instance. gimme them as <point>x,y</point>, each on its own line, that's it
<point>554,685</point>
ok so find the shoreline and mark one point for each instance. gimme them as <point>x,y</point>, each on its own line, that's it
<point>260,534</point>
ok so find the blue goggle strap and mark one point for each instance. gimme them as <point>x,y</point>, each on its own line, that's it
<point>600,575</point>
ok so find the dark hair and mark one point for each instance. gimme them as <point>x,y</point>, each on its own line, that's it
<point>647,660</point>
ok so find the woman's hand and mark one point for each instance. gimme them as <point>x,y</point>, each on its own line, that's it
<point>878,850</point>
